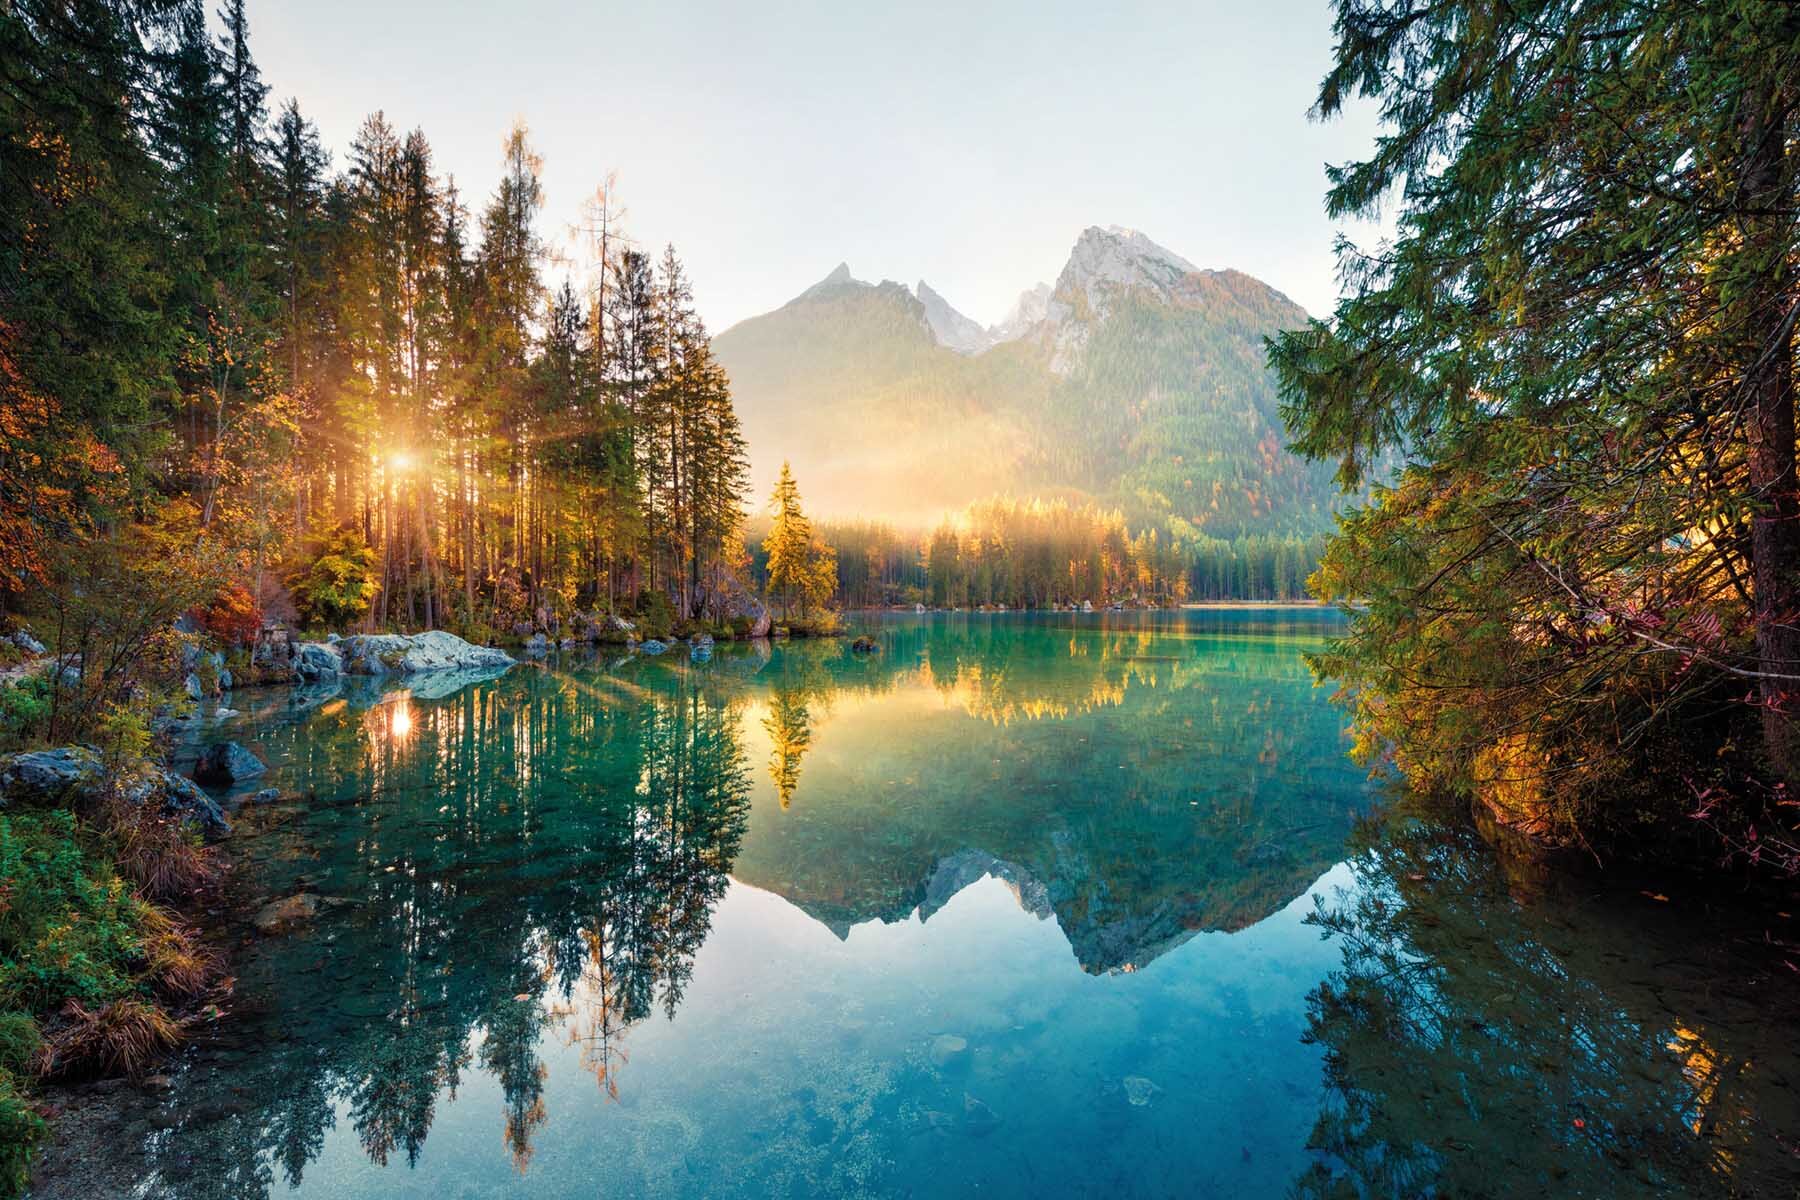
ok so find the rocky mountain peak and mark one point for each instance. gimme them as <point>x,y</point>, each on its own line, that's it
<point>949,327</point>
<point>1030,308</point>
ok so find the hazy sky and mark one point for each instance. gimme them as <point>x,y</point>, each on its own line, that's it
<point>965,143</point>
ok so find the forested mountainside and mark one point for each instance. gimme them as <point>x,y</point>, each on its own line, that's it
<point>1136,382</point>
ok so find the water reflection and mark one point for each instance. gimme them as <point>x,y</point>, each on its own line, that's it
<point>1494,1029</point>
<point>1011,904</point>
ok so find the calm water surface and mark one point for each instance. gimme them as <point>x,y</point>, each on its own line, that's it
<point>1021,906</point>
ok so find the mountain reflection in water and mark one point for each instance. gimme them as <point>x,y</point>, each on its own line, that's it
<point>955,917</point>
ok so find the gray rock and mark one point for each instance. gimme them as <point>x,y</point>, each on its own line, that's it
<point>652,647</point>
<point>24,641</point>
<point>407,654</point>
<point>700,651</point>
<point>704,639</point>
<point>192,684</point>
<point>266,796</point>
<point>537,645</point>
<point>314,661</point>
<point>49,774</point>
<point>764,622</point>
<point>181,797</point>
<point>618,624</point>
<point>227,763</point>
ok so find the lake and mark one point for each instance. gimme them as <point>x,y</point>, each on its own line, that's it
<point>1018,906</point>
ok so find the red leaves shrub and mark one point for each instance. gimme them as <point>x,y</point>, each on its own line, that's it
<point>232,616</point>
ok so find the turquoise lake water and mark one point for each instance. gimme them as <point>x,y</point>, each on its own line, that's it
<point>1019,906</point>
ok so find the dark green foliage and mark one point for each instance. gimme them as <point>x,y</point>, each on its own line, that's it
<point>70,927</point>
<point>1581,343</point>
<point>22,1131</point>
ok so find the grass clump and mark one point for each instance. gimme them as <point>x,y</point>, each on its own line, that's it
<point>89,968</point>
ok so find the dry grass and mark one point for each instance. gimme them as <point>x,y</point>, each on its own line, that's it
<point>180,966</point>
<point>120,1037</point>
<point>157,854</point>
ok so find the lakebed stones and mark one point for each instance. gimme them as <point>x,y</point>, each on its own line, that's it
<point>227,763</point>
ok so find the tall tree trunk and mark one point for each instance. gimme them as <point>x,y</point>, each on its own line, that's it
<point>1769,387</point>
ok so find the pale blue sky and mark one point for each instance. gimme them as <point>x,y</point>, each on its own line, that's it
<point>965,143</point>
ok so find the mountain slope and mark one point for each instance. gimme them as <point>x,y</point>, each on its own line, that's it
<point>1137,381</point>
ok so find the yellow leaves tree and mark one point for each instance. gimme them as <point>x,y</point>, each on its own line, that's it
<point>801,566</point>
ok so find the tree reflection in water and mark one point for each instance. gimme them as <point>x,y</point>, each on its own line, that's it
<point>1496,1030</point>
<point>477,912</point>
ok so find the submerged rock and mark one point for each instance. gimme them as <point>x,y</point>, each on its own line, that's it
<point>227,763</point>
<point>865,645</point>
<point>947,1048</point>
<point>978,1119</point>
<point>1139,1090</point>
<point>278,916</point>
<point>652,646</point>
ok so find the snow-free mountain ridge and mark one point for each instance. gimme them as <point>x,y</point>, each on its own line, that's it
<point>1136,380</point>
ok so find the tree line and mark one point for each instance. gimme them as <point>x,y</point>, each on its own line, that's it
<point>1033,554</point>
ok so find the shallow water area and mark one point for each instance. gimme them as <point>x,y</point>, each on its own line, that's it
<point>1020,905</point>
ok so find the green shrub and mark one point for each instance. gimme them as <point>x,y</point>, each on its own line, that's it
<point>656,616</point>
<point>24,709</point>
<point>69,926</point>
<point>20,1041</point>
<point>22,1131</point>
